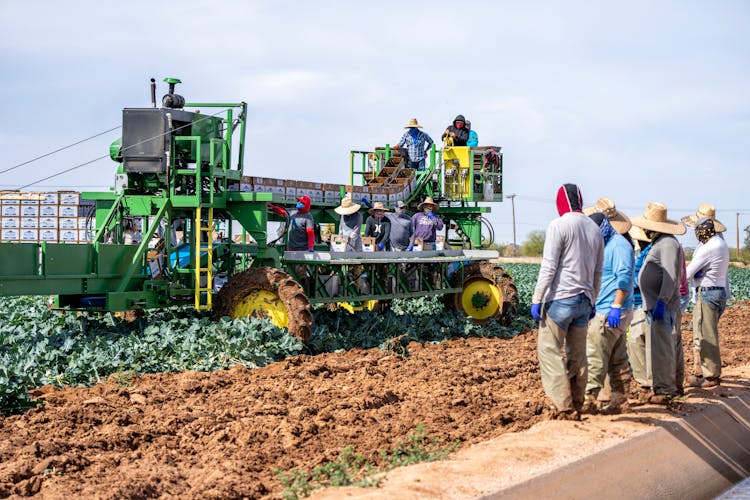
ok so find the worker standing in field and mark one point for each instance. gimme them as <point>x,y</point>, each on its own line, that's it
<point>639,336</point>
<point>425,224</point>
<point>568,283</point>
<point>401,228</point>
<point>659,282</point>
<point>378,226</point>
<point>350,224</point>
<point>473,140</point>
<point>606,348</point>
<point>457,131</point>
<point>414,140</point>
<point>709,268</point>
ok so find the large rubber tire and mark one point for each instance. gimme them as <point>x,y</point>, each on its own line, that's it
<point>267,292</point>
<point>493,286</point>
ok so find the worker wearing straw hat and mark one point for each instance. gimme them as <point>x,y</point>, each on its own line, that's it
<point>709,267</point>
<point>704,210</point>
<point>378,226</point>
<point>605,342</point>
<point>639,336</point>
<point>659,282</point>
<point>414,140</point>
<point>426,224</point>
<point>568,283</point>
<point>350,224</point>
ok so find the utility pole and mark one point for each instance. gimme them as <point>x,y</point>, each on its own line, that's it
<point>737,226</point>
<point>512,198</point>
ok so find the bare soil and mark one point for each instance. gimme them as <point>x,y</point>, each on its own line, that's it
<point>221,434</point>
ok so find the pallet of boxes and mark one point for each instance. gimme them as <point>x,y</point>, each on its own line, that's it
<point>52,217</point>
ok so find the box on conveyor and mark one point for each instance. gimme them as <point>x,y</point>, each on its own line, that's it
<point>356,193</point>
<point>332,193</point>
<point>69,198</point>
<point>48,235</point>
<point>49,198</point>
<point>10,222</point>
<point>49,211</point>
<point>9,234</point>
<point>29,235</point>
<point>268,185</point>
<point>10,210</point>
<point>67,223</point>
<point>290,190</point>
<point>68,235</point>
<point>67,211</point>
<point>48,223</point>
<point>379,194</point>
<point>30,222</point>
<point>29,210</point>
<point>312,189</point>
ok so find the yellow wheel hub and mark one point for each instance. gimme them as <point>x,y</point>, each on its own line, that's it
<point>481,299</point>
<point>353,307</point>
<point>262,304</point>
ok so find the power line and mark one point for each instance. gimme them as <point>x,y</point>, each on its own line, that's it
<point>60,149</point>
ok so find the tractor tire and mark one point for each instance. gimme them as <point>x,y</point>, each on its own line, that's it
<point>267,292</point>
<point>488,292</point>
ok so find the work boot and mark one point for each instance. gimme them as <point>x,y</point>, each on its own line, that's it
<point>706,383</point>
<point>591,405</point>
<point>659,399</point>
<point>695,380</point>
<point>616,404</point>
<point>565,415</point>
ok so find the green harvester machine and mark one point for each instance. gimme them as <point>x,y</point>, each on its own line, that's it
<point>180,172</point>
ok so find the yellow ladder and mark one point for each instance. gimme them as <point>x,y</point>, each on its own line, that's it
<point>203,294</point>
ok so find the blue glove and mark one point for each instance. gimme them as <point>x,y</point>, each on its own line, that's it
<point>699,274</point>
<point>431,215</point>
<point>410,248</point>
<point>381,246</point>
<point>659,309</point>
<point>593,313</point>
<point>613,319</point>
<point>536,311</point>
<point>366,202</point>
<point>312,250</point>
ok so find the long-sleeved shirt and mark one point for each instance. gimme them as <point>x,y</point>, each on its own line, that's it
<point>380,229</point>
<point>659,278</point>
<point>425,227</point>
<point>299,223</point>
<point>571,261</point>
<point>401,230</point>
<point>617,274</point>
<point>712,258</point>
<point>351,225</point>
<point>415,148</point>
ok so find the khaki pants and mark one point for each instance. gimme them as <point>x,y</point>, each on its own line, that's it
<point>564,379</point>
<point>607,354</point>
<point>706,336</point>
<point>639,348</point>
<point>663,354</point>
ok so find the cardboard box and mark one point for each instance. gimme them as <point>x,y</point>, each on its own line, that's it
<point>48,223</point>
<point>82,222</point>
<point>332,193</point>
<point>379,194</point>
<point>11,210</point>
<point>67,223</point>
<point>29,222</point>
<point>29,210</point>
<point>368,244</point>
<point>9,235</point>
<point>49,199</point>
<point>84,235</point>
<point>290,190</point>
<point>10,222</point>
<point>67,211</point>
<point>29,235</point>
<point>312,189</point>
<point>9,197</point>
<point>339,242</point>
<point>48,211</point>
<point>68,235</point>
<point>48,235</point>
<point>70,198</point>
<point>356,193</point>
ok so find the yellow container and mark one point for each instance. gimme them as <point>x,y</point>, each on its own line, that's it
<point>457,172</point>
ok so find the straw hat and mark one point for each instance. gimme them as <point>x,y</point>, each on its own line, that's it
<point>605,206</point>
<point>347,207</point>
<point>639,234</point>
<point>378,205</point>
<point>705,210</point>
<point>413,123</point>
<point>655,219</point>
<point>428,201</point>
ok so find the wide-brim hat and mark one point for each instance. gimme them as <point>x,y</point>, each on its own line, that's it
<point>378,205</point>
<point>639,234</point>
<point>347,207</point>
<point>704,210</point>
<point>413,123</point>
<point>654,218</point>
<point>606,207</point>
<point>428,201</point>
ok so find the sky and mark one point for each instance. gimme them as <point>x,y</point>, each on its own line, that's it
<point>636,101</point>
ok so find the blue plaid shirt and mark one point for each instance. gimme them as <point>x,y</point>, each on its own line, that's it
<point>415,149</point>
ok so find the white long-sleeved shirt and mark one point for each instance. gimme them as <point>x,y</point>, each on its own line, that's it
<point>572,259</point>
<point>711,257</point>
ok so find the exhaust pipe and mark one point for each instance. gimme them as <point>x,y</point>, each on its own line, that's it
<point>153,93</point>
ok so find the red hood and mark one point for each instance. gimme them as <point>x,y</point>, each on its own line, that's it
<point>306,201</point>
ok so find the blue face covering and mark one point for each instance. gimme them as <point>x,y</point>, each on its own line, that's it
<point>300,205</point>
<point>414,133</point>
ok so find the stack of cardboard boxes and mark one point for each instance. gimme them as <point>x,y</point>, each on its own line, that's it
<point>54,217</point>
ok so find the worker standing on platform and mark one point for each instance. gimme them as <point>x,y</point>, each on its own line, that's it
<point>473,140</point>
<point>302,226</point>
<point>401,228</point>
<point>414,140</point>
<point>457,131</point>
<point>379,227</point>
<point>426,224</point>
<point>350,224</point>
<point>569,280</point>
<point>606,348</point>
